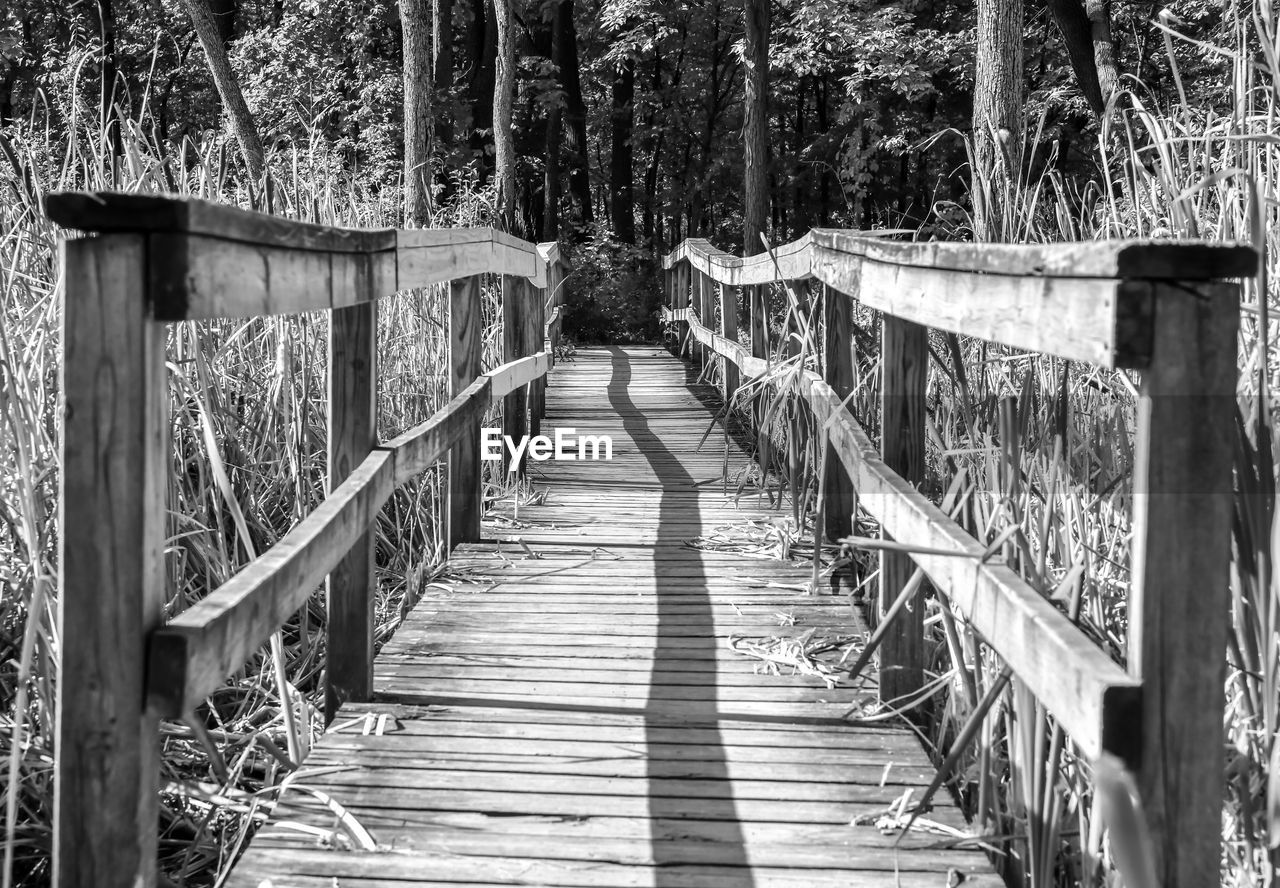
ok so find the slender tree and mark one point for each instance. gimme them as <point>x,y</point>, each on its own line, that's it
<point>442,65</point>
<point>755,126</point>
<point>621,183</point>
<point>504,151</point>
<point>415,23</point>
<point>997,87</point>
<point>1086,33</point>
<point>565,43</point>
<point>224,79</point>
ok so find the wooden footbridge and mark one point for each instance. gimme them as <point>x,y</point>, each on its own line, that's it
<point>571,711</point>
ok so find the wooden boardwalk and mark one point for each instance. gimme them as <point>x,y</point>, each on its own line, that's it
<point>569,713</point>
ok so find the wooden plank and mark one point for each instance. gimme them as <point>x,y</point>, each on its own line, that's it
<point>453,868</point>
<point>431,256</point>
<point>465,488</point>
<point>904,358</point>
<point>419,448</point>
<point>196,276</point>
<point>514,375</point>
<point>838,498</point>
<point>111,521</point>
<point>729,330</point>
<point>1085,690</point>
<point>533,345</point>
<point>1178,618</point>
<point>1115,259</point>
<point>113,211</point>
<point>514,309</point>
<point>192,656</point>
<point>353,431</point>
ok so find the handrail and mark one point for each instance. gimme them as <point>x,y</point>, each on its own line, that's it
<point>1167,308</point>
<point>157,259</point>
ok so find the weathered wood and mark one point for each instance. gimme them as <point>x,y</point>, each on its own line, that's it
<point>196,276</point>
<point>514,317</point>
<point>729,330</point>
<point>533,344</point>
<point>904,355</point>
<point>1178,610</point>
<point>431,256</point>
<point>513,376</point>
<point>583,727</point>
<point>1119,260</point>
<point>465,488</point>
<point>191,656</point>
<point>418,449</point>
<point>113,211</point>
<point>838,365</point>
<point>787,262</point>
<point>1096,702</point>
<point>111,537</point>
<point>352,399</point>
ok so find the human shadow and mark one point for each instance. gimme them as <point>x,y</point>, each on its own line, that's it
<point>704,795</point>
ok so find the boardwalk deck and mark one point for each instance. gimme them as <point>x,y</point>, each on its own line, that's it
<point>569,713</point>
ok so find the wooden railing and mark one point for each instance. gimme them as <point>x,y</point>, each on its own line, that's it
<point>1165,309</point>
<point>157,260</point>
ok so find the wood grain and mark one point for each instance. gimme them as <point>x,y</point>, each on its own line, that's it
<point>465,487</point>
<point>1178,613</point>
<point>111,590</point>
<point>352,399</point>
<point>432,256</point>
<point>728,330</point>
<point>514,401</point>
<point>575,715</point>
<point>838,362</point>
<point>904,356</point>
<point>192,656</point>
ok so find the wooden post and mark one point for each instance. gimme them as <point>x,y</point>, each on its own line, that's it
<point>904,352</point>
<point>799,428</point>
<point>837,372</point>
<point>682,301</point>
<point>729,330</point>
<point>1178,609</point>
<point>706,314</point>
<point>353,381</point>
<point>535,322</point>
<point>465,489</point>
<point>759,320</point>
<point>514,319</point>
<point>115,462</point>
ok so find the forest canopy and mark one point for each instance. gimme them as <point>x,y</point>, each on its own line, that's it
<point>627,116</point>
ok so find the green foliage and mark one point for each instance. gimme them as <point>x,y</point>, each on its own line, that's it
<point>615,293</point>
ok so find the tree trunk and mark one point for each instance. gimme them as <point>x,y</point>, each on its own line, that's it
<point>242,125</point>
<point>755,126</point>
<point>551,183</point>
<point>504,151</point>
<point>224,13</point>
<point>415,23</point>
<point>442,68</point>
<point>997,108</point>
<point>483,48</point>
<point>107,117</point>
<point>575,110</point>
<point>1086,32</point>
<point>621,192</point>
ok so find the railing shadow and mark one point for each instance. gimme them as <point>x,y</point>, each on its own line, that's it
<point>667,803</point>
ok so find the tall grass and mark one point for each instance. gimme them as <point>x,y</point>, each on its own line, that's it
<point>248,419</point>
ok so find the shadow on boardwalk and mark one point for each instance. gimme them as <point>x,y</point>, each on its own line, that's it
<point>666,805</point>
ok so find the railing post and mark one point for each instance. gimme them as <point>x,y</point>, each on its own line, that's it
<point>112,518</point>
<point>837,372</point>
<point>729,330</point>
<point>353,381</point>
<point>1178,609</point>
<point>759,319</point>
<point>514,320</point>
<point>706,311</point>
<point>534,325</point>
<point>904,354</point>
<point>465,487</point>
